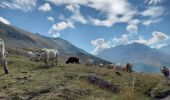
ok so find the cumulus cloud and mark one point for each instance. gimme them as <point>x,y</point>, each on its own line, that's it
<point>51,19</point>
<point>156,39</point>
<point>24,5</point>
<point>116,11</point>
<point>56,28</point>
<point>46,7</point>
<point>124,39</point>
<point>3,20</point>
<point>100,44</point>
<point>113,9</point>
<point>132,28</point>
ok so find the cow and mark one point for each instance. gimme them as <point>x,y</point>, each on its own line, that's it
<point>3,59</point>
<point>128,67</point>
<point>101,65</point>
<point>73,60</point>
<point>48,55</point>
<point>89,62</point>
<point>110,66</point>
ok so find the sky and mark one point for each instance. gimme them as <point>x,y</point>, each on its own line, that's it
<point>93,25</point>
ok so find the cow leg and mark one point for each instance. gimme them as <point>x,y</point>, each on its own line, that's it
<point>5,66</point>
<point>46,64</point>
<point>56,61</point>
<point>53,62</point>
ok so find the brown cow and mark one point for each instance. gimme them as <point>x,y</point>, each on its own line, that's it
<point>128,67</point>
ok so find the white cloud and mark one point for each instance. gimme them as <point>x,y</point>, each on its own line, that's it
<point>153,12</point>
<point>132,28</point>
<point>72,7</point>
<point>153,1</point>
<point>56,28</point>
<point>3,20</point>
<point>76,17</point>
<point>46,7</point>
<point>113,9</point>
<point>100,44</point>
<point>24,5</point>
<point>124,39</point>
<point>161,45</point>
<point>155,40</point>
<point>51,19</point>
<point>134,21</point>
<point>150,21</point>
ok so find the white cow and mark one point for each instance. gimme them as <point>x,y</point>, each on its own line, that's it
<point>110,66</point>
<point>47,55</point>
<point>89,62</point>
<point>101,65</point>
<point>3,59</point>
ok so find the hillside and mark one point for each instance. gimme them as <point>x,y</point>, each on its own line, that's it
<point>30,81</point>
<point>21,39</point>
<point>143,57</point>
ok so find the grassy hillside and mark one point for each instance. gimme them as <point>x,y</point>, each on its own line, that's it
<point>29,80</point>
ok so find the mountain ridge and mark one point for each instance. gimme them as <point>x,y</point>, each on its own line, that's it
<point>136,53</point>
<point>15,37</point>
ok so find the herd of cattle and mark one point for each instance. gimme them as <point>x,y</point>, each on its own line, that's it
<point>51,56</point>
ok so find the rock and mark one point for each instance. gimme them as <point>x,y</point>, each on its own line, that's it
<point>102,83</point>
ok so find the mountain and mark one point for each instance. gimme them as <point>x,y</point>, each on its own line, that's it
<point>17,38</point>
<point>166,49</point>
<point>138,54</point>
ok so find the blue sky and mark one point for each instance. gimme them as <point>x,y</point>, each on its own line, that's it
<point>93,25</point>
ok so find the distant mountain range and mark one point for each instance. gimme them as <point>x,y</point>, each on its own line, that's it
<point>166,49</point>
<point>140,55</point>
<point>17,38</point>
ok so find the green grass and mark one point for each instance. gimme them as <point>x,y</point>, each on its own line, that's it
<point>29,80</point>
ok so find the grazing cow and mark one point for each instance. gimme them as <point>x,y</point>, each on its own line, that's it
<point>46,55</point>
<point>3,59</point>
<point>101,65</point>
<point>89,62</point>
<point>110,66</point>
<point>73,60</point>
<point>117,66</point>
<point>128,67</point>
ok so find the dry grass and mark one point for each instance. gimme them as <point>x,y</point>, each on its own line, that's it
<point>28,80</point>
